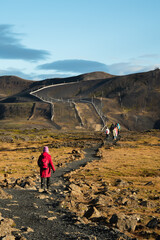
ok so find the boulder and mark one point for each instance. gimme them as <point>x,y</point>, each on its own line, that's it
<point>81,208</point>
<point>76,192</point>
<point>76,154</point>
<point>92,212</point>
<point>148,204</point>
<point>6,228</point>
<point>27,182</point>
<point>153,223</point>
<point>74,187</point>
<point>102,200</point>
<point>130,201</point>
<point>121,183</point>
<point>113,219</point>
<point>4,195</point>
<point>27,229</point>
<point>124,222</point>
<point>99,153</point>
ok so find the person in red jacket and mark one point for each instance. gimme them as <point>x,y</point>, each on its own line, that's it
<point>45,163</point>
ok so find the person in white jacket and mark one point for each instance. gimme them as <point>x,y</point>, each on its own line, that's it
<point>107,132</point>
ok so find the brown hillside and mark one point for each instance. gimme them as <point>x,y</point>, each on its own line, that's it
<point>18,96</point>
<point>133,100</point>
<point>10,85</point>
<point>137,97</point>
<point>132,90</point>
<point>79,78</point>
<point>83,77</point>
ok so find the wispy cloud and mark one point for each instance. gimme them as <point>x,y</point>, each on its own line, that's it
<point>125,68</point>
<point>11,48</point>
<point>75,66</point>
<point>143,63</point>
<point>149,56</point>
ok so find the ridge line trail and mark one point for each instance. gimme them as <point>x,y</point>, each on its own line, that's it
<point>43,213</point>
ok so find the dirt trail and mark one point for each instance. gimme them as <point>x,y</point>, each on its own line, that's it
<point>42,212</point>
<point>89,116</point>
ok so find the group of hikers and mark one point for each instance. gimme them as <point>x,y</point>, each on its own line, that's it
<point>46,165</point>
<point>113,131</point>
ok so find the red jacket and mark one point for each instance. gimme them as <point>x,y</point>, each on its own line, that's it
<point>44,173</point>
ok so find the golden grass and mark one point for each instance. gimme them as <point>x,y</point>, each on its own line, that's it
<point>24,162</point>
<point>20,151</point>
<point>136,160</point>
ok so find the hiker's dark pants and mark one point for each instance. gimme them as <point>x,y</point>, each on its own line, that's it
<point>45,182</point>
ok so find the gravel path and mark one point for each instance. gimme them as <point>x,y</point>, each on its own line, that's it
<point>40,217</point>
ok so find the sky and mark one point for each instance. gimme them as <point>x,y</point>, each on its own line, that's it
<point>42,39</point>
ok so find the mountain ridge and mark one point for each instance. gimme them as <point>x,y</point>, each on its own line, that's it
<point>131,99</point>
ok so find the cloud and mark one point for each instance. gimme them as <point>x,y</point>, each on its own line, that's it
<point>150,56</point>
<point>129,68</point>
<point>68,68</point>
<point>124,68</point>
<point>11,48</point>
<point>143,63</point>
<point>74,66</point>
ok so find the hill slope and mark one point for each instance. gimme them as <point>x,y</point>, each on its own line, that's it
<point>10,85</point>
<point>133,100</point>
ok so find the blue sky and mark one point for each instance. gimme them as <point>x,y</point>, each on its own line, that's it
<point>58,38</point>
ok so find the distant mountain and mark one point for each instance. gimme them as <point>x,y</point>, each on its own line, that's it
<point>133,100</point>
<point>11,85</point>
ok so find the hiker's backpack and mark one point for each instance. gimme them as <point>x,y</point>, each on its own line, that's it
<point>118,126</point>
<point>44,162</point>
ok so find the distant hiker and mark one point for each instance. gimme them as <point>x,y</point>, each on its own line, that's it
<point>111,129</point>
<point>107,132</point>
<point>45,163</point>
<point>115,133</point>
<point>118,127</point>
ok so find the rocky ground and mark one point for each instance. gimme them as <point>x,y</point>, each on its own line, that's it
<point>28,213</point>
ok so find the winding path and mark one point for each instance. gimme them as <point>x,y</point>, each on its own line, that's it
<point>43,214</point>
<point>52,100</point>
